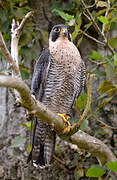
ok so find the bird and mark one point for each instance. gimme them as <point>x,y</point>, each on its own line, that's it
<point>58,78</point>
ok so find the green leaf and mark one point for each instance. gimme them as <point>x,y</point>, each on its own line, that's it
<point>114,19</point>
<point>67,17</point>
<point>81,101</point>
<point>75,32</point>
<point>103,19</point>
<point>88,155</point>
<point>27,125</point>
<point>113,26</point>
<point>79,41</point>
<point>76,120</point>
<point>18,141</point>
<point>112,166</point>
<point>96,55</point>
<point>25,72</point>
<point>95,171</point>
<point>104,102</point>
<point>115,59</point>
<point>29,148</point>
<point>99,73</point>
<point>109,68</point>
<point>106,86</point>
<point>113,42</point>
<point>84,125</point>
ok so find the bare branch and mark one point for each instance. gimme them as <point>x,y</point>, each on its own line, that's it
<point>8,56</point>
<point>104,124</point>
<point>20,27</point>
<point>91,37</point>
<point>12,59</point>
<point>92,19</point>
<point>81,139</point>
<point>16,31</point>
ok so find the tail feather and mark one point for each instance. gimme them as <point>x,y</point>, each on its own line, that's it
<point>43,144</point>
<point>49,147</point>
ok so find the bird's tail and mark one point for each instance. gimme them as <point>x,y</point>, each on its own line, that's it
<point>43,144</point>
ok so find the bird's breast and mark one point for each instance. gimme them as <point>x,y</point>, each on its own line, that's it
<point>65,54</point>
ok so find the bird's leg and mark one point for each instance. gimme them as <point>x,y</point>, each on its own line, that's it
<point>65,118</point>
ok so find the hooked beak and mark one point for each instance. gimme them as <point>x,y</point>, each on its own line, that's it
<point>64,31</point>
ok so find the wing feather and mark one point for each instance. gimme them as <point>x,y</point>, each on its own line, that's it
<point>40,74</point>
<point>79,82</point>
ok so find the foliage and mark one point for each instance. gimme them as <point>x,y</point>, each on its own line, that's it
<point>95,171</point>
<point>108,22</point>
<point>98,171</point>
<point>17,9</point>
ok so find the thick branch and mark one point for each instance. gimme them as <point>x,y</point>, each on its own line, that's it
<point>83,140</point>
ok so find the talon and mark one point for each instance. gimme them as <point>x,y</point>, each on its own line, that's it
<point>65,120</point>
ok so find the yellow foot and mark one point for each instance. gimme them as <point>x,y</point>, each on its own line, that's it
<point>65,120</point>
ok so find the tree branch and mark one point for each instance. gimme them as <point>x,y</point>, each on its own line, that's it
<point>16,31</point>
<point>87,35</point>
<point>8,56</point>
<point>81,139</point>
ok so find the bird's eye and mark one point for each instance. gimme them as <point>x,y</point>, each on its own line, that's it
<point>57,29</point>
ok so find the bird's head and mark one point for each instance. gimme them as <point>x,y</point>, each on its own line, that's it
<point>60,32</point>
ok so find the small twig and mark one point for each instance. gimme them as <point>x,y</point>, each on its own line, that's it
<point>97,28</point>
<point>105,125</point>
<point>97,63</point>
<point>21,26</point>
<point>91,6</point>
<point>8,56</point>
<point>91,37</point>
<point>87,16</point>
<point>61,161</point>
<point>76,126</point>
<point>92,19</point>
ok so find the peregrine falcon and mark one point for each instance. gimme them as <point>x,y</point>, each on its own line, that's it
<point>58,78</point>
